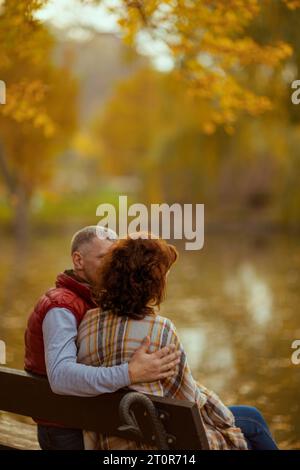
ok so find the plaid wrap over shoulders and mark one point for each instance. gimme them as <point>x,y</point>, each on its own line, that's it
<point>105,339</point>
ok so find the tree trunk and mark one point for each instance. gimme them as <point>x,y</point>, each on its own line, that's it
<point>21,219</point>
<point>20,203</point>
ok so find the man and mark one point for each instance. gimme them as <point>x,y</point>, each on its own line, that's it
<point>50,340</point>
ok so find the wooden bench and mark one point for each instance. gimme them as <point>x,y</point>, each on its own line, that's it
<point>162,422</point>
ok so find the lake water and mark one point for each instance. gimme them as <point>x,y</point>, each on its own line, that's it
<point>235,304</point>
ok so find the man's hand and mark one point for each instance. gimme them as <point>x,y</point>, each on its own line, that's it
<point>149,367</point>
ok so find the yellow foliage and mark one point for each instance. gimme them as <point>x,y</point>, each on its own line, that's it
<point>213,29</point>
<point>35,123</point>
<point>292,4</point>
<point>129,136</point>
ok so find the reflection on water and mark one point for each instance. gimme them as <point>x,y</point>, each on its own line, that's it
<point>234,303</point>
<point>197,341</point>
<point>254,290</point>
<point>194,343</point>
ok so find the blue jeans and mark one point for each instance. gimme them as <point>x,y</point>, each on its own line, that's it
<point>53,438</point>
<point>254,427</point>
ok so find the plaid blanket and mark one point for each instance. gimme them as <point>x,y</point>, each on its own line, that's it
<point>105,339</point>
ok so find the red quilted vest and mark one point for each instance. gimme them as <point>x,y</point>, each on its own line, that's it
<point>69,293</point>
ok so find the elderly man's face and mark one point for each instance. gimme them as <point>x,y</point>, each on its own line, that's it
<point>88,258</point>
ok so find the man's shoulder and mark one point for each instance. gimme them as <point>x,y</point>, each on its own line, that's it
<point>55,293</point>
<point>63,294</point>
<point>61,297</point>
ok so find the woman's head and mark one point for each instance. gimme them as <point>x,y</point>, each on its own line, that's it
<point>132,278</point>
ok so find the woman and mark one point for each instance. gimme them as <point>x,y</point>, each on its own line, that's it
<point>132,284</point>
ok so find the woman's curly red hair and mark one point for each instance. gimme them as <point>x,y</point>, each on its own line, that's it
<point>132,278</point>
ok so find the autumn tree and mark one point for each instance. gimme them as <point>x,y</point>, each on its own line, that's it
<point>153,129</point>
<point>210,45</point>
<point>39,114</point>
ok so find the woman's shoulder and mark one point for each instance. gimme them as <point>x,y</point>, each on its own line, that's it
<point>93,312</point>
<point>97,311</point>
<point>161,320</point>
<point>94,316</point>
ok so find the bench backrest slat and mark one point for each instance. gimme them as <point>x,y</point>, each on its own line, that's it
<point>29,395</point>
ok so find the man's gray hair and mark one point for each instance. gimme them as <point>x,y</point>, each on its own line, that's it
<point>87,234</point>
